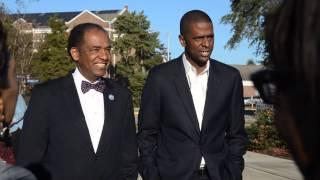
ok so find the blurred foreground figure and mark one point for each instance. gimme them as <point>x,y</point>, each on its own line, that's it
<point>293,83</point>
<point>7,103</point>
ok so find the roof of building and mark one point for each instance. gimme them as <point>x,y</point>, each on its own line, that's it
<point>41,19</point>
<point>247,70</point>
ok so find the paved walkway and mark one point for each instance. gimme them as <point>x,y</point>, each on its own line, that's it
<point>263,167</point>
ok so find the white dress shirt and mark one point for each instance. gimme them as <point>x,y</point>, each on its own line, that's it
<point>92,104</point>
<point>198,88</point>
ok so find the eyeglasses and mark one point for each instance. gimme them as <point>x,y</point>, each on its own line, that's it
<point>266,83</point>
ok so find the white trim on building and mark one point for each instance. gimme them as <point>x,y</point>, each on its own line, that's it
<point>83,12</point>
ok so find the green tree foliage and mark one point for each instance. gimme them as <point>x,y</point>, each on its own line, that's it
<point>247,21</point>
<point>139,49</point>
<point>251,62</point>
<point>263,134</point>
<point>53,61</point>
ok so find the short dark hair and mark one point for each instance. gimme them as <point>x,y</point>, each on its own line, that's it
<point>77,34</point>
<point>191,17</point>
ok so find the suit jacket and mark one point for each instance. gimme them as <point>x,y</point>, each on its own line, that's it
<point>55,135</point>
<point>170,141</point>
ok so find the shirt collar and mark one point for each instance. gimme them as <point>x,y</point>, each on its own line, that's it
<point>190,68</point>
<point>78,77</point>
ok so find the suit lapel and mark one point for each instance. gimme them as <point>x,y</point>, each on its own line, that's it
<point>111,100</point>
<point>183,89</point>
<point>72,101</point>
<point>212,94</point>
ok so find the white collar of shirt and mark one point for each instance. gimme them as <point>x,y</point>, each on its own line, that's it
<point>189,68</point>
<point>92,104</point>
<point>78,78</point>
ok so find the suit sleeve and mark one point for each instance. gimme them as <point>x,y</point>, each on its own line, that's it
<point>34,136</point>
<point>236,136</point>
<point>129,169</point>
<point>148,126</point>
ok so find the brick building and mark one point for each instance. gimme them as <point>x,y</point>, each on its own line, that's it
<point>37,23</point>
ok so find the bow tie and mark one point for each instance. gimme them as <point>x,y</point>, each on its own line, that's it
<point>86,86</point>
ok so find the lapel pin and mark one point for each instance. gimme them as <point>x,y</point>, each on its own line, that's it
<point>111,97</point>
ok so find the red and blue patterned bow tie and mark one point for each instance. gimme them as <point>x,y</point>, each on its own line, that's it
<point>86,86</point>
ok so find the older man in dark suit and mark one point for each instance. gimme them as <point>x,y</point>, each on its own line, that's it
<point>81,126</point>
<point>191,121</point>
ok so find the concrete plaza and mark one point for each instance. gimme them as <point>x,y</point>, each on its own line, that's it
<point>264,167</point>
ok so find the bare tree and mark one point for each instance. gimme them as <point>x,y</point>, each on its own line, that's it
<point>20,41</point>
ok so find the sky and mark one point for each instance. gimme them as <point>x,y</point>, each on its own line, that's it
<point>164,16</point>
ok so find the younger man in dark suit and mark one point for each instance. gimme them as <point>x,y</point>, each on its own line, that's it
<point>81,126</point>
<point>191,121</point>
